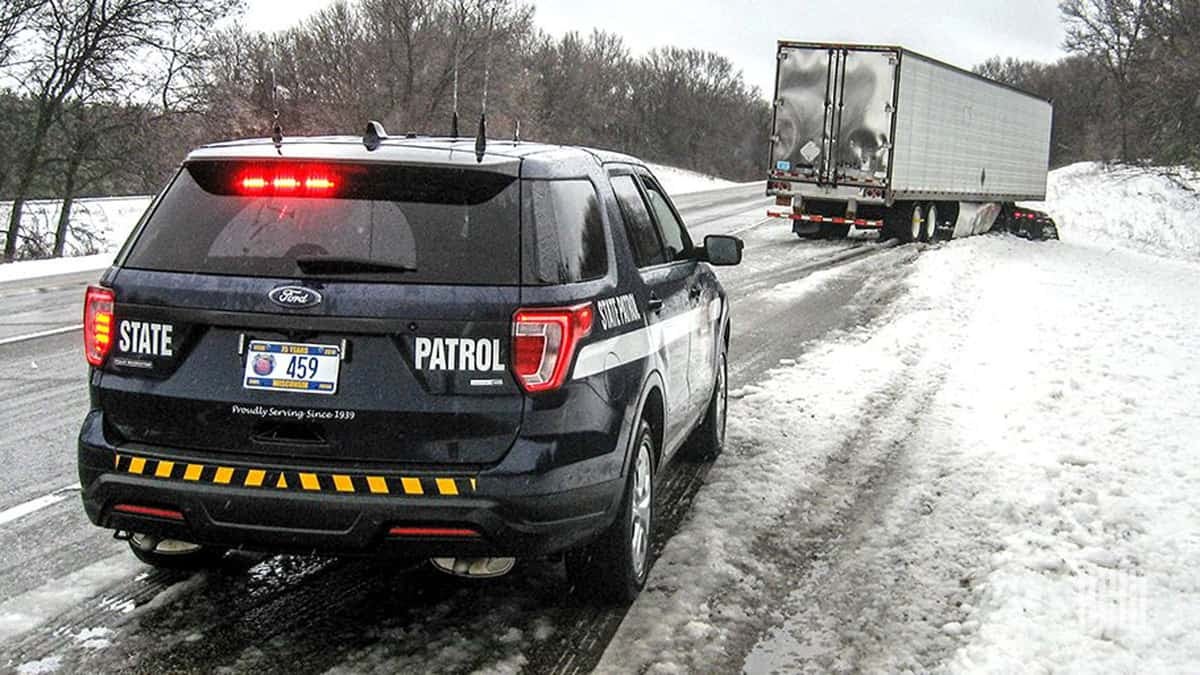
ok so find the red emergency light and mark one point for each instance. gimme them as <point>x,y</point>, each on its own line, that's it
<point>305,181</point>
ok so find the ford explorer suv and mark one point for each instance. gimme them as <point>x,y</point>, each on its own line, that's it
<point>403,347</point>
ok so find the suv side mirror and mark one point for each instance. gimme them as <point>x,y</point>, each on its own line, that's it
<point>721,249</point>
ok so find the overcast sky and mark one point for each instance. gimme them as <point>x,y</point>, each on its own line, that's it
<point>963,32</point>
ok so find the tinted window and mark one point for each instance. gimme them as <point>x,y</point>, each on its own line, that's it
<point>451,226</point>
<point>564,232</point>
<point>638,225</point>
<point>675,238</point>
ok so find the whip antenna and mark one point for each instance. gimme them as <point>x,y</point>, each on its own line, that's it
<point>454,119</point>
<point>481,138</point>
<point>276,127</point>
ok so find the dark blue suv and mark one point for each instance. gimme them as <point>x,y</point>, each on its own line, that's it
<point>402,347</point>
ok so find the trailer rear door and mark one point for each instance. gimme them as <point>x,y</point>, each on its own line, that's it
<point>833,114</point>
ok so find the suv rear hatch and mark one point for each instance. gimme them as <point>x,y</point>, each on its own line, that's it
<point>336,311</point>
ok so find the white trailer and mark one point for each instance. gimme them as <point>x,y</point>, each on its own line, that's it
<point>869,139</point>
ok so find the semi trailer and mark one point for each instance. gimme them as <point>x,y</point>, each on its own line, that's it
<point>873,140</point>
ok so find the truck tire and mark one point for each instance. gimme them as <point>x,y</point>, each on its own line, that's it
<point>906,221</point>
<point>612,570</point>
<point>929,232</point>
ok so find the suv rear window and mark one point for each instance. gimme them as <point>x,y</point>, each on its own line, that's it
<point>564,236</point>
<point>397,223</point>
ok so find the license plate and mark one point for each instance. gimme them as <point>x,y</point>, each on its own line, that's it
<point>291,366</point>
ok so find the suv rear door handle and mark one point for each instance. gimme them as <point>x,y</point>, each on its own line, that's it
<point>655,303</point>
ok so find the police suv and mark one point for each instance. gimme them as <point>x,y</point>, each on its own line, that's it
<point>403,346</point>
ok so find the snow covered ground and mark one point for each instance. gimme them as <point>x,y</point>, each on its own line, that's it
<point>681,181</point>
<point>109,219</point>
<point>1155,210</point>
<point>998,474</point>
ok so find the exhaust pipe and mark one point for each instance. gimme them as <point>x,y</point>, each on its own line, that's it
<point>150,544</point>
<point>474,568</point>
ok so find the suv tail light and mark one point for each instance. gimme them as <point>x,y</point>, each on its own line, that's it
<point>544,342</point>
<point>98,324</point>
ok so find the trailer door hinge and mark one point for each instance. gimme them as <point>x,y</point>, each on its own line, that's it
<point>888,107</point>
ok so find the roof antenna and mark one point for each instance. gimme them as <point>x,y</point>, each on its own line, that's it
<point>276,127</point>
<point>481,138</point>
<point>516,131</point>
<point>454,119</point>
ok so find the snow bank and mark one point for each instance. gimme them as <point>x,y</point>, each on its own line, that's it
<point>1153,210</point>
<point>108,220</point>
<point>681,181</point>
<point>997,479</point>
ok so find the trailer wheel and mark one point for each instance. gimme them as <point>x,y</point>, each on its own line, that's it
<point>909,223</point>
<point>929,233</point>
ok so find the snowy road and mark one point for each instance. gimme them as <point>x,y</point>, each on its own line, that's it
<point>973,456</point>
<point>71,598</point>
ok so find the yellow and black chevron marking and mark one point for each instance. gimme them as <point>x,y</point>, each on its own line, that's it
<point>300,481</point>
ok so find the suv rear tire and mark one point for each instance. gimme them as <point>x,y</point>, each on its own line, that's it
<point>613,568</point>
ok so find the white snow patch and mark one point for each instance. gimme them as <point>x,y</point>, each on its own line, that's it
<point>94,638</point>
<point>793,290</point>
<point>30,609</point>
<point>49,267</point>
<point>50,664</point>
<point>681,181</point>
<point>110,219</point>
<point>1153,210</point>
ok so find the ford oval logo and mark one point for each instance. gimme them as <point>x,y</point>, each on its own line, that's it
<point>295,297</point>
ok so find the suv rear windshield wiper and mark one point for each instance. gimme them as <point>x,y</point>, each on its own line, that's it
<point>325,264</point>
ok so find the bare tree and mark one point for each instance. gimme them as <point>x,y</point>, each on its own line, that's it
<point>1111,30</point>
<point>14,18</point>
<point>93,47</point>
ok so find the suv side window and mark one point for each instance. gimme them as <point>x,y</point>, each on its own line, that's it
<point>564,232</point>
<point>675,237</point>
<point>639,226</point>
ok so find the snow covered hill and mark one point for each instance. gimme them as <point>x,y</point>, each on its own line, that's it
<point>1154,210</point>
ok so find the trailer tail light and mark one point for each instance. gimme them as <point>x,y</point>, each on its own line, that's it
<point>98,306</point>
<point>544,342</point>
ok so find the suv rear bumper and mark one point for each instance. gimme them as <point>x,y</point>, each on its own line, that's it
<point>496,511</point>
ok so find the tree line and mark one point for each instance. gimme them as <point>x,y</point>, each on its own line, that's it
<point>1129,90</point>
<point>104,97</point>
